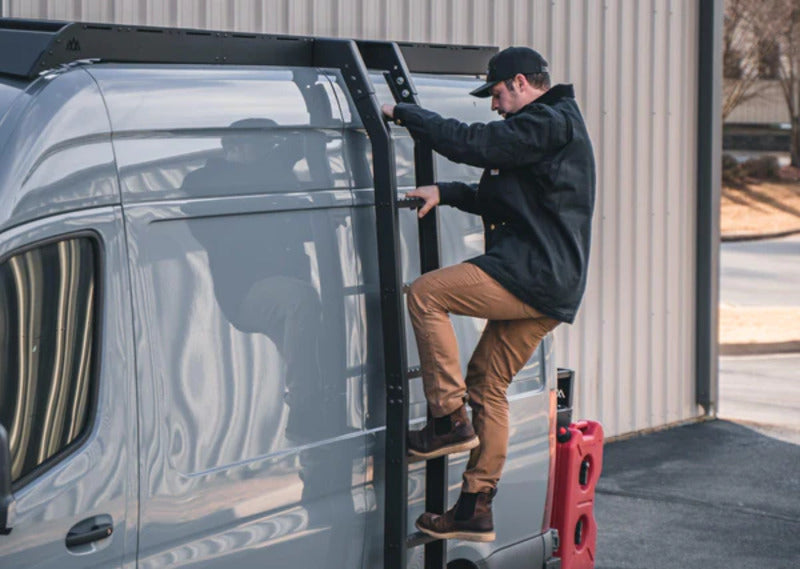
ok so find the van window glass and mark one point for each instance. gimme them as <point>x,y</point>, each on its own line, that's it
<point>348,111</point>
<point>47,323</point>
<point>401,140</point>
<point>192,131</point>
<point>357,149</point>
<point>450,97</point>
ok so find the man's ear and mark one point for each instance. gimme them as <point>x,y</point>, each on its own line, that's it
<point>520,81</point>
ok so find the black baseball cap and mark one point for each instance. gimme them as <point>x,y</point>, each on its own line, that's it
<point>507,63</point>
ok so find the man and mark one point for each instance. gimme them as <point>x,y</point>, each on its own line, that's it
<point>536,197</point>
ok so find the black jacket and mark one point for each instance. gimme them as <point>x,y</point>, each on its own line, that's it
<point>536,195</point>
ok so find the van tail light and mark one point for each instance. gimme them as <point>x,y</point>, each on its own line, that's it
<point>551,476</point>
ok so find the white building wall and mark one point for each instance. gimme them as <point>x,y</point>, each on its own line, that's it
<point>634,66</point>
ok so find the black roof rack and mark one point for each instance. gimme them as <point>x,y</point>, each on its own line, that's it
<point>430,57</point>
<point>445,58</point>
<point>28,47</point>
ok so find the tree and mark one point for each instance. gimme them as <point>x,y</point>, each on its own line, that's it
<point>751,50</point>
<point>786,19</point>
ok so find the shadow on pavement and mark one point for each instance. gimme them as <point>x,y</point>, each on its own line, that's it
<point>707,495</point>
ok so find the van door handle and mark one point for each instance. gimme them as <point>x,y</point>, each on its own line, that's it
<point>89,530</point>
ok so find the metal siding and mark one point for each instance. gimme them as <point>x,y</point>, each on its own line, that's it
<point>634,67</point>
<point>605,246</point>
<point>689,211</point>
<point>658,190</point>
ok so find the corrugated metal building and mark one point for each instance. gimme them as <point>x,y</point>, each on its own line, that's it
<point>644,344</point>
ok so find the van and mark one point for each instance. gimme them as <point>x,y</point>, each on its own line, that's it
<point>192,326</point>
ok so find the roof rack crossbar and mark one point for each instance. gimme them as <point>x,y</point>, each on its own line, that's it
<point>446,59</point>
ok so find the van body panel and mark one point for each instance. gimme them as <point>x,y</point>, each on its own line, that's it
<point>250,384</point>
<point>55,150</point>
<point>98,474</point>
<point>247,314</point>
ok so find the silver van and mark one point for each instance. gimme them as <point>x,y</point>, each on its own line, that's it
<point>192,358</point>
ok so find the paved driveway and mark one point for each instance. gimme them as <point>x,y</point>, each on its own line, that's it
<point>719,494</point>
<point>714,495</point>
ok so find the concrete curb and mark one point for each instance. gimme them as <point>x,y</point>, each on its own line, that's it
<point>733,237</point>
<point>750,349</point>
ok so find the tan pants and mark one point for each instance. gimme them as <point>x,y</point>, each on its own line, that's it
<point>510,337</point>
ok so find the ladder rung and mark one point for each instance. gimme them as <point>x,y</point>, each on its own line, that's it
<point>413,459</point>
<point>410,202</point>
<point>413,372</point>
<point>418,538</point>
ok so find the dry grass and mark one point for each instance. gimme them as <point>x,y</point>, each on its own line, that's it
<point>757,208</point>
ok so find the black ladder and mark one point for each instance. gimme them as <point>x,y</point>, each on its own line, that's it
<point>393,59</point>
<point>386,57</point>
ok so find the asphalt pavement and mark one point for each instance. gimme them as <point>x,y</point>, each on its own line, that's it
<point>723,493</point>
<point>708,495</point>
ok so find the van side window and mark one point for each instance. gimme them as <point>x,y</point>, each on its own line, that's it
<point>47,324</point>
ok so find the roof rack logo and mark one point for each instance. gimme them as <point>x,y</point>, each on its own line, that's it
<point>73,45</point>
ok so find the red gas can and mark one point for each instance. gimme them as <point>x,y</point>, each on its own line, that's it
<point>579,460</point>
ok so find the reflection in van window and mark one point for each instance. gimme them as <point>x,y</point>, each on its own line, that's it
<point>47,315</point>
<point>259,130</point>
<point>252,156</point>
<point>448,96</point>
<point>258,156</point>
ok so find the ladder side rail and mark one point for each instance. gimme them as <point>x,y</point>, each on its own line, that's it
<point>388,57</point>
<point>344,55</point>
<point>436,472</point>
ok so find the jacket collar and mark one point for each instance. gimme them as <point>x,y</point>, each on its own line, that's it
<point>551,96</point>
<point>555,93</point>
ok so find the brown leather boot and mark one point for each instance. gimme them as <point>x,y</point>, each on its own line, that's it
<point>446,435</point>
<point>469,519</point>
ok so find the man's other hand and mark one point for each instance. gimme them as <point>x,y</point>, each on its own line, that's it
<point>428,193</point>
<point>388,110</point>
